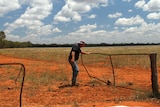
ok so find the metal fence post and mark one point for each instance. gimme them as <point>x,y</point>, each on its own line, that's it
<point>154,74</point>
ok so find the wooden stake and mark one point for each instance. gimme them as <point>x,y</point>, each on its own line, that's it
<point>154,74</point>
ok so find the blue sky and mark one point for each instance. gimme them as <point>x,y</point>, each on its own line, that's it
<point>70,21</point>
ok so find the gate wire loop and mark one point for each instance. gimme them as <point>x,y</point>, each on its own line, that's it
<point>107,82</point>
<point>22,84</point>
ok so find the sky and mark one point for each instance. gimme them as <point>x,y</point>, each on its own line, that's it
<point>71,21</point>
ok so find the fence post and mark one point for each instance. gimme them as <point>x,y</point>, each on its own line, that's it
<point>154,74</point>
<point>114,80</point>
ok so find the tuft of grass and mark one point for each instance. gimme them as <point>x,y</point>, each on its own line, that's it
<point>139,95</point>
<point>47,77</point>
<point>10,72</point>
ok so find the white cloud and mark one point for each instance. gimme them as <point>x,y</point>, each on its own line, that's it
<point>131,29</point>
<point>94,3</point>
<point>151,5</point>
<point>86,28</point>
<point>145,33</point>
<point>127,0</point>
<point>7,6</point>
<point>137,20</point>
<point>153,15</point>
<point>12,37</point>
<point>115,15</point>
<point>31,19</point>
<point>140,4</point>
<point>130,10</point>
<point>73,9</point>
<point>92,16</point>
<point>67,14</point>
<point>56,30</point>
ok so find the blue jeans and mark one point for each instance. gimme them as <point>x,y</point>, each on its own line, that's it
<point>75,70</point>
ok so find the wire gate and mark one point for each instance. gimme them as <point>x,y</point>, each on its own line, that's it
<point>22,84</point>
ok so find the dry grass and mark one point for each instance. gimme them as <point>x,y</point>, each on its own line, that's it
<point>60,55</point>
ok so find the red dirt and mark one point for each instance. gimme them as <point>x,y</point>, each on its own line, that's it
<point>89,93</point>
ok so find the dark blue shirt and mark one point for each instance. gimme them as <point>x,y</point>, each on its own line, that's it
<point>77,50</point>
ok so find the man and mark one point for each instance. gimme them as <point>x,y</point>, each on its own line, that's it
<point>73,58</point>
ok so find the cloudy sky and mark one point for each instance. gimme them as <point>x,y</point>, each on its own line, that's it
<point>70,21</point>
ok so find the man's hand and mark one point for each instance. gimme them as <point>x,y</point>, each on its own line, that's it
<point>72,60</point>
<point>86,53</point>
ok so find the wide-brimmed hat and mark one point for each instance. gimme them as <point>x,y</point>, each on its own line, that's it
<point>82,43</point>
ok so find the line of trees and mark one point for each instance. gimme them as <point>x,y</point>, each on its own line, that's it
<point>10,44</point>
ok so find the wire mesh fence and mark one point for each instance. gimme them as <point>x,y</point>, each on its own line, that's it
<point>129,71</point>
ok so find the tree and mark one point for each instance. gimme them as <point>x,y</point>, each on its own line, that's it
<point>2,37</point>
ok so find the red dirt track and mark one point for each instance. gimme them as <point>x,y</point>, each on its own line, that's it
<point>87,94</point>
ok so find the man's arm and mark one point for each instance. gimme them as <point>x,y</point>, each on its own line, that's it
<point>82,52</point>
<point>73,58</point>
